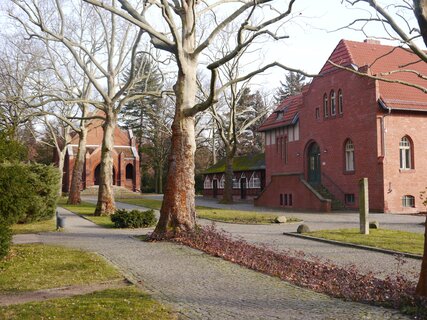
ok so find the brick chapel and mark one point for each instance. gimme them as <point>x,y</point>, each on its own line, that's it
<point>344,127</point>
<point>125,159</point>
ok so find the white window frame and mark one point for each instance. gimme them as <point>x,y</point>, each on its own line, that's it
<point>207,184</point>
<point>333,103</point>
<point>221,182</point>
<point>349,155</point>
<point>408,201</point>
<point>255,181</point>
<point>405,157</point>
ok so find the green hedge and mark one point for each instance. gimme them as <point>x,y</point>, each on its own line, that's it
<point>28,192</point>
<point>5,239</point>
<point>133,219</point>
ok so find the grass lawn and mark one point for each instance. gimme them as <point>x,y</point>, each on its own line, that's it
<point>126,303</point>
<point>223,215</point>
<point>35,227</point>
<point>86,209</point>
<point>36,266</point>
<point>380,238</point>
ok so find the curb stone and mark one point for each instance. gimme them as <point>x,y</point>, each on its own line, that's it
<point>353,245</point>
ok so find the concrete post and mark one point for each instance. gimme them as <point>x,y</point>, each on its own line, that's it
<point>364,206</point>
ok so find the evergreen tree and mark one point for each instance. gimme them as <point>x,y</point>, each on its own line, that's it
<point>294,82</point>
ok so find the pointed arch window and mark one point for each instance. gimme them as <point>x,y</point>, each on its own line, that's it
<point>349,155</point>
<point>207,183</point>
<point>255,181</point>
<point>340,102</point>
<point>222,182</point>
<point>333,104</point>
<point>405,153</point>
<point>325,106</point>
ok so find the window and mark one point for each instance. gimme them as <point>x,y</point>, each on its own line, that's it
<point>349,198</point>
<point>236,184</point>
<point>207,184</point>
<point>286,199</point>
<point>408,201</point>
<point>255,181</point>
<point>333,106</point>
<point>317,113</point>
<point>290,199</point>
<point>222,182</point>
<point>405,154</point>
<point>129,171</point>
<point>325,106</point>
<point>349,156</point>
<point>281,199</point>
<point>340,106</point>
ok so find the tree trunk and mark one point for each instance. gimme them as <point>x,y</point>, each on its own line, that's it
<point>178,212</point>
<point>76,180</point>
<point>228,184</point>
<point>161,178</point>
<point>421,289</point>
<point>106,205</point>
<point>61,157</point>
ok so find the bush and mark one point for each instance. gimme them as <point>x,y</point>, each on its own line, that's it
<point>28,192</point>
<point>45,184</point>
<point>5,239</point>
<point>133,219</point>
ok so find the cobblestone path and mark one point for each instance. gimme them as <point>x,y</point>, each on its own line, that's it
<point>202,287</point>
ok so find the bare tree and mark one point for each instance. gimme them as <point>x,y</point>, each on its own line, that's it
<point>186,39</point>
<point>103,47</point>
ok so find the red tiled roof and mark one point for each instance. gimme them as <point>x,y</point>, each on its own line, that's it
<point>383,59</point>
<point>284,115</point>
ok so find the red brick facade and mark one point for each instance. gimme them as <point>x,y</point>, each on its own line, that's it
<point>368,129</point>
<point>125,159</point>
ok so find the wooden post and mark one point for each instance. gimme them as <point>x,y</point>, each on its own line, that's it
<point>364,206</point>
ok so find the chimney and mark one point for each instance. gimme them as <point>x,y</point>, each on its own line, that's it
<point>372,41</point>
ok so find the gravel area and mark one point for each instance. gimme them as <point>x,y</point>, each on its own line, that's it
<point>199,286</point>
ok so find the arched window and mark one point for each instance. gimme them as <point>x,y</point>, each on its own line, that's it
<point>405,153</point>
<point>349,155</point>
<point>340,106</point>
<point>325,106</point>
<point>236,182</point>
<point>129,171</point>
<point>408,201</point>
<point>222,182</point>
<point>255,181</point>
<point>207,183</point>
<point>333,105</point>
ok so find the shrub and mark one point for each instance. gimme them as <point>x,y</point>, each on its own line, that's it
<point>45,183</point>
<point>133,219</point>
<point>28,192</point>
<point>5,239</point>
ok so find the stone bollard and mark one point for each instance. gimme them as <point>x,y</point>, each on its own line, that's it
<point>364,206</point>
<point>60,221</point>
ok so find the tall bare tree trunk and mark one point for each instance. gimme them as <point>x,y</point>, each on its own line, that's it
<point>61,157</point>
<point>76,180</point>
<point>421,289</point>
<point>228,183</point>
<point>161,178</point>
<point>106,205</point>
<point>178,211</point>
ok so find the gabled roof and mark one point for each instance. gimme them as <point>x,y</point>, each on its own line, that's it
<point>380,60</point>
<point>243,163</point>
<point>284,115</point>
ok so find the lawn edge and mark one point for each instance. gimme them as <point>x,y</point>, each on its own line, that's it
<point>353,245</point>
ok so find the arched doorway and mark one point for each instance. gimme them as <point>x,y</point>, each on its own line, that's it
<point>313,164</point>
<point>97,175</point>
<point>129,171</point>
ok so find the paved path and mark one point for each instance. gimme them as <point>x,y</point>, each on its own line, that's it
<point>366,261</point>
<point>204,287</point>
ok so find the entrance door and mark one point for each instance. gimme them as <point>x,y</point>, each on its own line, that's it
<point>243,188</point>
<point>314,164</point>
<point>215,188</point>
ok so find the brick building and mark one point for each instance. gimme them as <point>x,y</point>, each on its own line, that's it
<point>248,180</point>
<point>125,159</point>
<point>344,127</point>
